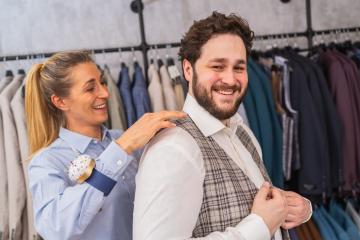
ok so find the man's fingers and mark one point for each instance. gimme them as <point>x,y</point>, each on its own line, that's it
<point>263,191</point>
<point>294,201</point>
<point>291,218</point>
<point>291,194</point>
<point>289,225</point>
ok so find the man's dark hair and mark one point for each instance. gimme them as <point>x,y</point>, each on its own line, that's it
<point>201,31</point>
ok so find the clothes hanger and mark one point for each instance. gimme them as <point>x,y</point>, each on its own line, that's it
<point>134,59</point>
<point>169,59</point>
<point>8,72</point>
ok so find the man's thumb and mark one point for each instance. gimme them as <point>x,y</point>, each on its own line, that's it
<point>263,191</point>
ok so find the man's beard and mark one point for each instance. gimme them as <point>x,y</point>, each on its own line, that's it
<point>206,102</point>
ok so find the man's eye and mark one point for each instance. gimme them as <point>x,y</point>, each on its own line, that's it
<point>239,69</point>
<point>217,67</point>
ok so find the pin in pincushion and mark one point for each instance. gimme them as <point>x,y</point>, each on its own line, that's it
<point>81,168</point>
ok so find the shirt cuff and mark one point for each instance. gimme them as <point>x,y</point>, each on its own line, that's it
<point>114,161</point>
<point>253,227</point>
<point>311,210</point>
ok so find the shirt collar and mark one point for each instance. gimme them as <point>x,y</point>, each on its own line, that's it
<point>207,123</point>
<point>78,141</point>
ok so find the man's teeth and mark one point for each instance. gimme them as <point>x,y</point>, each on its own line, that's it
<point>100,106</point>
<point>226,92</point>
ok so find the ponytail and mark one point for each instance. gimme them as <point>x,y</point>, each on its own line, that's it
<point>43,127</point>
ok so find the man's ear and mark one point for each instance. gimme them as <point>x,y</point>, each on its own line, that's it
<point>59,102</point>
<point>188,70</point>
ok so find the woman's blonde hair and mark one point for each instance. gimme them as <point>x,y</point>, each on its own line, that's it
<point>43,80</point>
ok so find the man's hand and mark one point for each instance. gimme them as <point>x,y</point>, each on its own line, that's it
<point>270,204</point>
<point>299,210</point>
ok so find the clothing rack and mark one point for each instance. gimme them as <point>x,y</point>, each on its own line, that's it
<point>137,6</point>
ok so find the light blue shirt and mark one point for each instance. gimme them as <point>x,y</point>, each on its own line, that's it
<point>66,210</point>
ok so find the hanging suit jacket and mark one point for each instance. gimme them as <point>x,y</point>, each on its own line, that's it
<point>339,232</point>
<point>354,215</point>
<point>313,171</point>
<point>18,109</point>
<point>325,229</point>
<point>320,104</point>
<point>155,90</point>
<point>168,90</point>
<point>314,231</point>
<point>353,78</point>
<point>139,93</point>
<point>272,148</point>
<point>116,112</point>
<point>341,93</point>
<point>249,105</point>
<point>178,88</point>
<point>344,221</point>
<point>293,235</point>
<point>125,93</point>
<point>4,204</point>
<point>333,128</point>
<point>15,177</point>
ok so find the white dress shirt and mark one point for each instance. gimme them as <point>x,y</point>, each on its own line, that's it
<point>169,183</point>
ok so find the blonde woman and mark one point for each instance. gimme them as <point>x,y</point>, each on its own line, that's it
<point>81,173</point>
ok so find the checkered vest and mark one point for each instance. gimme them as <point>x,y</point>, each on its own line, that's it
<point>228,192</point>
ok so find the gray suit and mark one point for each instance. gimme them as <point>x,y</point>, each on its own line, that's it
<point>18,110</point>
<point>155,90</point>
<point>168,90</point>
<point>4,206</point>
<point>116,106</point>
<point>15,175</point>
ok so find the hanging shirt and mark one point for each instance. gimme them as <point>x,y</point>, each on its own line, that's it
<point>139,93</point>
<point>66,210</point>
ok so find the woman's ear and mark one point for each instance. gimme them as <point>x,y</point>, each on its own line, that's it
<point>59,102</point>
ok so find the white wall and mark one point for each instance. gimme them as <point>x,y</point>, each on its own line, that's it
<point>32,26</point>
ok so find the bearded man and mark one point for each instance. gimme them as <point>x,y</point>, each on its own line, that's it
<point>205,178</point>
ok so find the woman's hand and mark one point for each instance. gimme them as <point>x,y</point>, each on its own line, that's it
<point>145,128</point>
